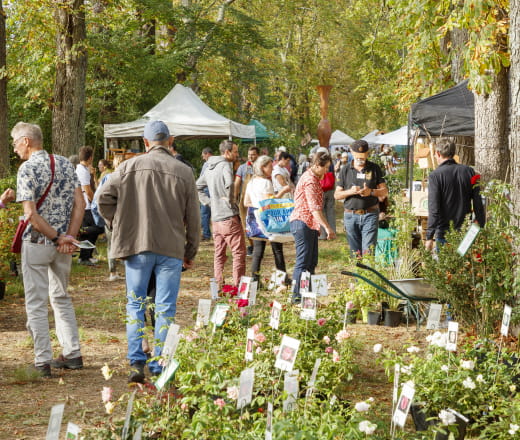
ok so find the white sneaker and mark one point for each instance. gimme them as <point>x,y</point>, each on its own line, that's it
<point>93,260</point>
<point>114,277</point>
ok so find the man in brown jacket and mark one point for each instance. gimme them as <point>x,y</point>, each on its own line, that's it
<point>151,204</point>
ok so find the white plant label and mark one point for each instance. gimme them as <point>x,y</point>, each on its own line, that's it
<point>506,319</point>
<point>269,422</point>
<point>276,311</point>
<point>287,353</point>
<point>213,288</point>
<point>403,405</point>
<point>291,387</point>
<point>243,287</point>
<point>53,429</point>
<point>252,292</point>
<point>319,284</point>
<point>166,374</point>
<point>453,335</point>
<point>219,314</point>
<point>72,431</point>
<point>171,341</point>
<point>308,303</point>
<point>468,239</point>
<point>250,342</point>
<point>245,394</point>
<point>434,317</point>
<point>203,312</point>
<point>305,282</point>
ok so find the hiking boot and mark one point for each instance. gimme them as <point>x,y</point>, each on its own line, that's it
<point>69,364</point>
<point>85,263</point>
<point>42,370</point>
<point>296,298</point>
<point>136,372</point>
<point>249,252</point>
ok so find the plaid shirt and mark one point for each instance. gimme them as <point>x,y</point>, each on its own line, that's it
<point>308,198</point>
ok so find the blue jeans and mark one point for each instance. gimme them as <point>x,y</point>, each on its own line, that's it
<point>205,220</point>
<point>361,231</point>
<point>168,275</point>
<point>306,243</point>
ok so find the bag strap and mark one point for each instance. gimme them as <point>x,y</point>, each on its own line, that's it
<point>42,198</point>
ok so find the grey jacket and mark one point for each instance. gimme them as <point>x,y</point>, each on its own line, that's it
<point>151,204</point>
<point>218,179</point>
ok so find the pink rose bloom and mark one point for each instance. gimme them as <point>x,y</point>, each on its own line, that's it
<point>335,356</point>
<point>106,394</point>
<point>329,350</point>
<point>256,328</point>
<point>243,312</point>
<point>276,349</point>
<point>258,350</point>
<point>184,406</point>
<point>350,305</point>
<point>260,337</point>
<point>321,321</point>
<point>220,403</point>
<point>342,335</point>
<point>326,339</point>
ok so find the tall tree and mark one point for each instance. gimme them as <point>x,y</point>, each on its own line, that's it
<point>68,111</point>
<point>514,80</point>
<point>4,135</point>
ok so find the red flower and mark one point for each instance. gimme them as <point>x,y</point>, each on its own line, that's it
<point>475,179</point>
<point>243,303</point>
<point>232,290</point>
<point>260,410</point>
<point>478,257</point>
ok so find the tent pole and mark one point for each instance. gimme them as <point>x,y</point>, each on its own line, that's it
<point>105,147</point>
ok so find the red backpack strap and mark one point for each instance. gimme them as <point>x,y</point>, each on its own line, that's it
<point>42,198</point>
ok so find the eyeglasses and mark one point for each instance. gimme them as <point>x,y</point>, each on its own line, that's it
<point>17,140</point>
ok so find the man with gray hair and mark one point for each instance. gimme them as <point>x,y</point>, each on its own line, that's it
<point>227,228</point>
<point>151,204</point>
<point>53,203</point>
<point>452,189</point>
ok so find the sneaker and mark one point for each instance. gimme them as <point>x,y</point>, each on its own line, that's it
<point>136,372</point>
<point>249,251</point>
<point>70,364</point>
<point>114,277</point>
<point>93,260</point>
<point>42,370</point>
<point>85,263</point>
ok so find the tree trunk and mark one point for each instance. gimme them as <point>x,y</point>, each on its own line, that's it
<point>4,131</point>
<point>68,112</point>
<point>491,131</point>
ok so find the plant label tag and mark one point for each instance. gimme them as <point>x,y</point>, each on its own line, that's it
<point>453,334</point>
<point>272,282</point>
<point>403,405</point>
<point>305,282</point>
<point>167,374</point>
<point>243,287</point>
<point>85,244</point>
<point>138,434</point>
<point>245,394</point>
<point>253,287</point>
<point>129,408</point>
<point>279,278</point>
<point>291,387</point>
<point>269,422</point>
<point>287,353</point>
<point>434,317</point>
<point>308,306</point>
<point>171,341</point>
<point>213,288</point>
<point>468,239</point>
<point>319,284</point>
<point>312,380</point>
<point>203,313</point>
<point>395,390</point>
<point>506,319</point>
<point>276,311</point>
<point>53,429</point>
<point>250,344</point>
<point>72,431</point>
<point>219,314</point>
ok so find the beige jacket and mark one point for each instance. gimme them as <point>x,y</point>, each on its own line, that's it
<point>151,204</point>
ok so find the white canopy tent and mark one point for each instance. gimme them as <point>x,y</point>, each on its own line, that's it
<point>396,137</point>
<point>371,137</point>
<point>337,138</point>
<point>186,115</point>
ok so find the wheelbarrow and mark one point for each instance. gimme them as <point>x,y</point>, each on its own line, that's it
<point>413,291</point>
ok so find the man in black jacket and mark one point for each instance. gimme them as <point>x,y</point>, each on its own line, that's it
<point>452,189</point>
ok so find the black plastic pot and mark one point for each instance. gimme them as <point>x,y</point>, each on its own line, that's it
<point>393,318</point>
<point>421,422</point>
<point>352,316</point>
<point>373,318</point>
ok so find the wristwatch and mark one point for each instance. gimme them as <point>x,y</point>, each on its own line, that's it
<point>55,240</point>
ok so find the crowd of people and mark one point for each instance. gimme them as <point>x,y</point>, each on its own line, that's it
<point>154,214</point>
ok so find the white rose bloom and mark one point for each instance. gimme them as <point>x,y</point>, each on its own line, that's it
<point>480,378</point>
<point>468,383</point>
<point>513,428</point>
<point>413,349</point>
<point>445,368</point>
<point>467,365</point>
<point>377,348</point>
<point>362,406</point>
<point>447,418</point>
<point>232,392</point>
<point>406,369</point>
<point>367,427</point>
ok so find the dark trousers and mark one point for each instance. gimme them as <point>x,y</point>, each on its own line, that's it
<point>258,255</point>
<point>306,243</point>
<point>89,231</point>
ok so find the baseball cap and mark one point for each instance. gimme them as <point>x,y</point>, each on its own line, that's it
<point>345,154</point>
<point>282,148</point>
<point>360,146</point>
<point>156,131</point>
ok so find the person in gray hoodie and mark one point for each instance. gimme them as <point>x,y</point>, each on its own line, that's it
<point>226,225</point>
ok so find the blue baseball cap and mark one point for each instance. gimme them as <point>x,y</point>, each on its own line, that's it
<point>156,131</point>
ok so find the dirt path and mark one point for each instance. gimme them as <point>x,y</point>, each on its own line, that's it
<point>25,405</point>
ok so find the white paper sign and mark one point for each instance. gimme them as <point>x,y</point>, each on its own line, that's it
<point>167,374</point>
<point>171,341</point>
<point>219,314</point>
<point>213,288</point>
<point>506,319</point>
<point>308,306</point>
<point>129,409</point>
<point>319,284</point>
<point>53,429</point>
<point>276,311</point>
<point>395,391</point>
<point>291,387</point>
<point>468,239</point>
<point>203,312</point>
<point>253,287</point>
<point>279,277</point>
<point>269,422</point>
<point>243,287</point>
<point>138,433</point>
<point>250,342</point>
<point>287,353</point>
<point>72,431</point>
<point>434,317</point>
<point>305,282</point>
<point>403,405</point>
<point>245,394</point>
<point>453,335</point>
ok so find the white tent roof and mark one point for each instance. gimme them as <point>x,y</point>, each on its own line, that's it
<point>337,138</point>
<point>371,137</point>
<point>396,137</point>
<point>186,115</point>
